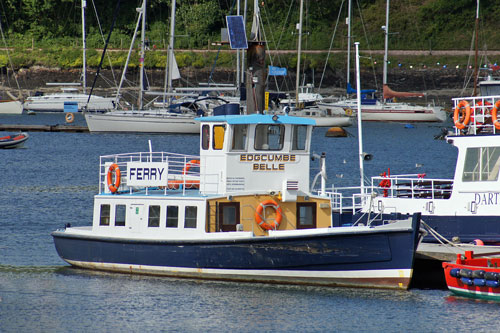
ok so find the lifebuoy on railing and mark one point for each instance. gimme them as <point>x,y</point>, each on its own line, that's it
<point>175,184</point>
<point>113,186</point>
<point>70,117</point>
<point>461,117</point>
<point>494,117</point>
<point>272,225</point>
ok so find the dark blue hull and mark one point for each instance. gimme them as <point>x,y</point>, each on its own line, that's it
<point>375,257</point>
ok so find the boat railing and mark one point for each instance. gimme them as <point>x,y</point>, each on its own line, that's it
<point>346,199</point>
<point>476,115</point>
<point>412,186</point>
<point>182,173</point>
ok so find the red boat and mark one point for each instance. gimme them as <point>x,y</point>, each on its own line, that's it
<point>476,277</point>
<point>14,140</point>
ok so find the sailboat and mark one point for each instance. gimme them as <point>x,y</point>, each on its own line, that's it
<point>70,95</point>
<point>388,109</point>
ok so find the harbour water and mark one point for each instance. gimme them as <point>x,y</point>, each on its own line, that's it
<point>52,181</point>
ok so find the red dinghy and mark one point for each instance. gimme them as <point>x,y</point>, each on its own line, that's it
<point>474,277</point>
<point>14,140</point>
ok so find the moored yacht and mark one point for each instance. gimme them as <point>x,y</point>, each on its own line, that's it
<point>242,210</point>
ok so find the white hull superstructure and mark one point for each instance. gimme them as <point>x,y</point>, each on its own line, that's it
<point>11,107</point>
<point>55,102</point>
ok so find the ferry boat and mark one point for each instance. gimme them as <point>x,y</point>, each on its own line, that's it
<point>462,209</point>
<point>474,276</point>
<point>242,210</point>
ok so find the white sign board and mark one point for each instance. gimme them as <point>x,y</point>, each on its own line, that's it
<point>147,173</point>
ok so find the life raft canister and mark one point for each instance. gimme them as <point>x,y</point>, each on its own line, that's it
<point>113,186</point>
<point>268,225</point>
<point>461,117</point>
<point>494,117</point>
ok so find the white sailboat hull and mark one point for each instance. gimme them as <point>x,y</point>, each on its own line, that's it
<point>55,102</point>
<point>11,107</point>
<point>138,122</point>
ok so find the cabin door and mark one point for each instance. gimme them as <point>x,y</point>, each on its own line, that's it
<point>136,214</point>
<point>229,216</point>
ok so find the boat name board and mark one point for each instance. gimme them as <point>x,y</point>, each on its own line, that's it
<point>274,158</point>
<point>485,199</point>
<point>147,173</point>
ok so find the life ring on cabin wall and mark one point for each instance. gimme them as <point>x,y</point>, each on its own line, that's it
<point>264,224</point>
<point>462,120</point>
<point>113,186</point>
<point>494,118</point>
<point>70,117</point>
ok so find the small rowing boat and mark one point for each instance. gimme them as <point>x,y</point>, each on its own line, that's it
<point>13,140</point>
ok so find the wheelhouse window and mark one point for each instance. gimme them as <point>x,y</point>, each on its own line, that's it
<point>154,216</point>
<point>190,213</point>
<point>172,216</point>
<point>205,137</point>
<point>306,215</point>
<point>120,213</point>
<point>299,137</point>
<point>105,214</point>
<point>239,137</point>
<point>219,131</point>
<point>481,164</point>
<point>269,137</point>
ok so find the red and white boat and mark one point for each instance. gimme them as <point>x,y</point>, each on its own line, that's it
<point>474,276</point>
<point>13,140</point>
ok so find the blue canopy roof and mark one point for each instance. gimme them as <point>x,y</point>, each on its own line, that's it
<point>259,119</point>
<point>350,90</point>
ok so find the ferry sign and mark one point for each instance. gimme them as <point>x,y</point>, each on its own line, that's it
<point>147,173</point>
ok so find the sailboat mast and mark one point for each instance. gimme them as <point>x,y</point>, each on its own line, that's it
<point>476,48</point>
<point>171,47</point>
<point>349,42</point>
<point>299,50</point>
<point>386,32</point>
<point>141,56</point>
<point>84,48</point>
<point>360,131</point>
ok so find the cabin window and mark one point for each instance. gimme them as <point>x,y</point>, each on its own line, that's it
<point>120,215</point>
<point>172,216</point>
<point>269,137</point>
<point>299,137</point>
<point>154,216</point>
<point>239,137</point>
<point>190,217</point>
<point>481,164</point>
<point>218,143</point>
<point>229,216</point>
<point>306,215</point>
<point>205,137</point>
<point>105,214</point>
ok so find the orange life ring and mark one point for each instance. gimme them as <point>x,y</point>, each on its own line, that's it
<point>262,222</point>
<point>175,184</point>
<point>188,166</point>
<point>113,187</point>
<point>494,115</point>
<point>462,120</point>
<point>70,117</point>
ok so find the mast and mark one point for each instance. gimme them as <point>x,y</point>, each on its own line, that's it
<point>84,48</point>
<point>360,131</point>
<point>171,47</point>
<point>299,50</point>
<point>386,32</point>
<point>141,55</point>
<point>349,42</point>
<point>476,49</point>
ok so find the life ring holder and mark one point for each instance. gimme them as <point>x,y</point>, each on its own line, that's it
<point>70,117</point>
<point>113,186</point>
<point>264,224</point>
<point>459,120</point>
<point>494,117</point>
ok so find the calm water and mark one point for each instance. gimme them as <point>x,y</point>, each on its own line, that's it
<point>52,182</point>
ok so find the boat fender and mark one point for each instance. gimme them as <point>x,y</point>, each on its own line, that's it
<point>455,272</point>
<point>492,276</point>
<point>70,117</point>
<point>479,282</point>
<point>461,120</point>
<point>478,274</point>
<point>113,186</point>
<point>467,281</point>
<point>264,224</point>
<point>466,273</point>
<point>492,284</point>
<point>478,242</point>
<point>494,115</point>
